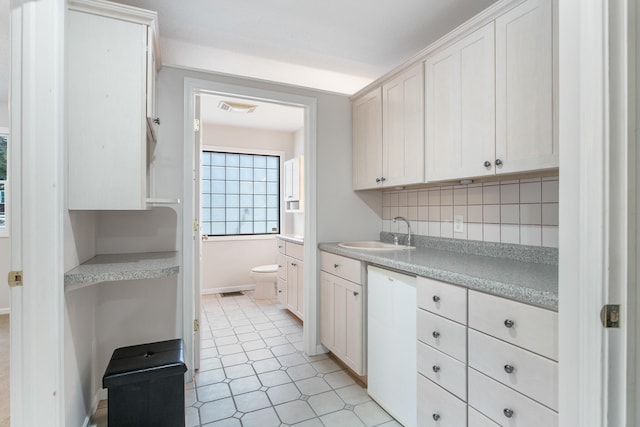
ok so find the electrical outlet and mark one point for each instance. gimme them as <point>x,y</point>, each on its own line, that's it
<point>458,224</point>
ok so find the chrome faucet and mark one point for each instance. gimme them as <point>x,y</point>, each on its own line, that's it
<point>408,228</point>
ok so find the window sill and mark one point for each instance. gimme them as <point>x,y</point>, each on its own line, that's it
<point>240,238</point>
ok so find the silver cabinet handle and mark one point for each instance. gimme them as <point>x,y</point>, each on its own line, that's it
<point>355,294</point>
<point>507,412</point>
<point>487,164</point>
<point>378,180</point>
<point>498,162</point>
<point>436,417</point>
<point>435,368</point>
<point>293,264</point>
<point>436,298</point>
<point>156,120</point>
<point>508,368</point>
<point>336,265</point>
<point>435,334</point>
<point>280,291</point>
<point>383,179</point>
<point>509,323</point>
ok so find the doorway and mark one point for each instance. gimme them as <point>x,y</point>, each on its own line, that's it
<point>194,91</point>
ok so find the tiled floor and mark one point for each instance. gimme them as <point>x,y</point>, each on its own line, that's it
<point>253,373</point>
<point>4,370</point>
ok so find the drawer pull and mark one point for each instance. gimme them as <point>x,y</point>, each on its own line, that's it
<point>509,323</point>
<point>436,417</point>
<point>355,294</point>
<point>436,298</point>
<point>436,334</point>
<point>279,246</point>
<point>293,264</point>
<point>280,291</point>
<point>508,368</point>
<point>436,368</point>
<point>336,265</point>
<point>508,412</point>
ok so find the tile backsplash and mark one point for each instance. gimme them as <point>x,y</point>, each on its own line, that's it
<point>523,211</point>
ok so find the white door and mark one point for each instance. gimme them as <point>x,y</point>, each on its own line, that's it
<point>197,237</point>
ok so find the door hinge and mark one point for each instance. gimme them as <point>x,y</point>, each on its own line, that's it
<point>196,325</point>
<point>196,125</point>
<point>610,315</point>
<point>15,279</point>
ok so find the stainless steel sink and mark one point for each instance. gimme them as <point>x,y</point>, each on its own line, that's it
<point>372,245</point>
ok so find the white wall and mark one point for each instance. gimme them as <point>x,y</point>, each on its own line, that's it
<point>226,264</point>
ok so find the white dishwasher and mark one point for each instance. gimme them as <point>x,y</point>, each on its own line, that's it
<point>391,343</point>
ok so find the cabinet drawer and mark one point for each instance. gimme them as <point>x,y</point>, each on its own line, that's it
<point>282,266</point>
<point>441,298</point>
<point>443,370</point>
<point>476,419</point>
<point>341,266</point>
<point>294,250</point>
<point>281,246</point>
<point>437,407</point>
<point>494,399</point>
<point>442,334</point>
<point>532,375</point>
<point>529,327</point>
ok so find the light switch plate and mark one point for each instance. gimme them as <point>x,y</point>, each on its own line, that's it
<point>458,224</point>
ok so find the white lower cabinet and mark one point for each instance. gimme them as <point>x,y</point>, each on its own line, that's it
<point>342,310</point>
<point>291,276</point>
<point>439,408</point>
<point>505,405</point>
<point>391,343</point>
<point>502,363</point>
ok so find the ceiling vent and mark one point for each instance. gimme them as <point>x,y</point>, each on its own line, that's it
<point>236,107</point>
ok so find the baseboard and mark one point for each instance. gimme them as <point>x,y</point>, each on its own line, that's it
<point>5,311</point>
<point>211,291</point>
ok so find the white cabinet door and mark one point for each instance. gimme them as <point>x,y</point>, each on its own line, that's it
<point>524,89</point>
<point>460,108</point>
<point>292,285</point>
<point>327,310</point>
<point>291,181</point>
<point>353,305</point>
<point>391,337</point>
<point>367,141</point>
<point>403,128</point>
<point>300,289</point>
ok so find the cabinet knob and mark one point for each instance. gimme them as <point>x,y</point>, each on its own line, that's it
<point>435,368</point>
<point>156,120</point>
<point>293,264</point>
<point>280,291</point>
<point>436,298</point>
<point>509,323</point>
<point>378,180</point>
<point>383,179</point>
<point>436,334</point>
<point>336,265</point>
<point>508,368</point>
<point>355,294</point>
<point>507,412</point>
<point>498,162</point>
<point>436,417</point>
<point>487,164</point>
<point>279,266</point>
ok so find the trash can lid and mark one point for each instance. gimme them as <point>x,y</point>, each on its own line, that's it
<point>144,362</point>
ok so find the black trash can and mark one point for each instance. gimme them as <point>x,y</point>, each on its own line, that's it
<point>146,385</point>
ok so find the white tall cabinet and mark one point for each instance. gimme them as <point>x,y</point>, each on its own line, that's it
<point>367,140</point>
<point>524,88</point>
<point>111,65</point>
<point>460,108</point>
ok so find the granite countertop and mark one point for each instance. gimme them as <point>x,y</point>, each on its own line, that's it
<point>509,276</point>
<point>294,238</point>
<point>116,267</point>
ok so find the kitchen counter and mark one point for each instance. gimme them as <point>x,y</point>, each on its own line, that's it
<point>116,267</point>
<point>510,276</point>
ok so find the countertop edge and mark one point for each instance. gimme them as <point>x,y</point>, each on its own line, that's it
<point>531,296</point>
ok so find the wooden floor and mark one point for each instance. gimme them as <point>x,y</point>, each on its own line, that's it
<point>4,370</point>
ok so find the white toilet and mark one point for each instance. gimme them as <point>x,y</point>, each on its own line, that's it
<point>265,277</point>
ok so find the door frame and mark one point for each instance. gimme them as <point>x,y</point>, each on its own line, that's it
<point>597,234</point>
<point>193,87</point>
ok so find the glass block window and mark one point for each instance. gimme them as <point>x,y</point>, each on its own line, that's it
<point>240,194</point>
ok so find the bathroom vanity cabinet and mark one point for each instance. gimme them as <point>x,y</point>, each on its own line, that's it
<point>291,276</point>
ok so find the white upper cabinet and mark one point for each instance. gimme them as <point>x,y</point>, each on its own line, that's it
<point>460,108</point>
<point>293,184</point>
<point>403,128</point>
<point>524,89</point>
<point>111,66</point>
<point>367,140</point>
